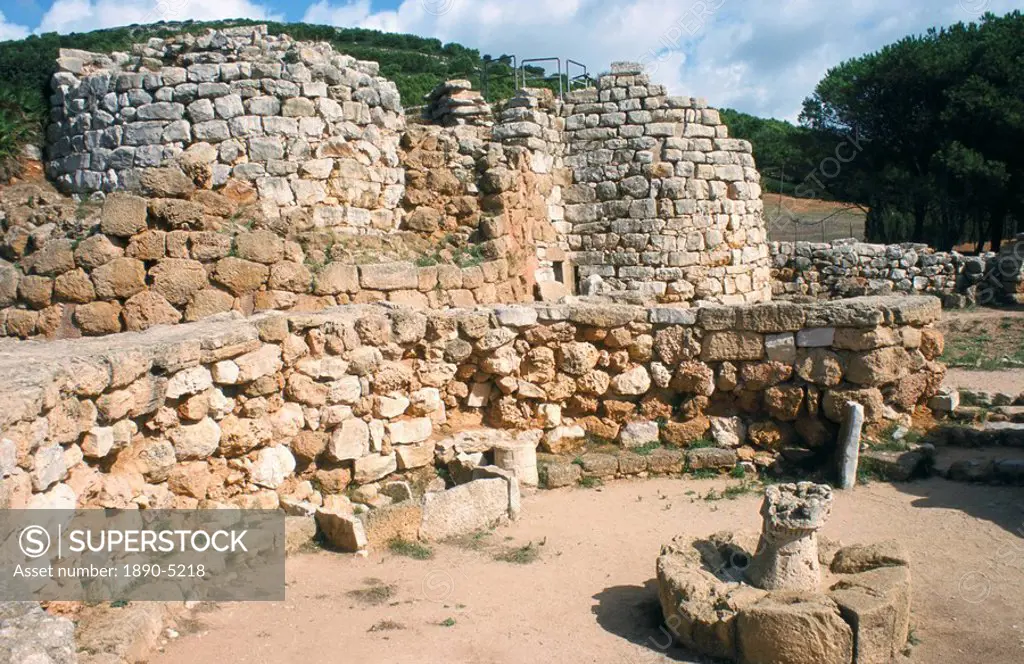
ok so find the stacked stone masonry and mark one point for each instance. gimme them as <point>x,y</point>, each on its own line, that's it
<point>138,262</point>
<point>455,102</point>
<point>848,268</point>
<point>662,201</point>
<point>310,131</point>
<point>280,409</point>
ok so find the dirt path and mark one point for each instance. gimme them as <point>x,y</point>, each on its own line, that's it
<point>589,596</point>
<point>1011,381</point>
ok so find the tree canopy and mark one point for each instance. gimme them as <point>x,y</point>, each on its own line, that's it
<point>936,121</point>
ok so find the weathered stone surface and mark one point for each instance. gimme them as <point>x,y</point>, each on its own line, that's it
<point>344,532</point>
<point>240,276</point>
<point>555,475</point>
<point>195,441</point>
<point>710,458</point>
<point>793,629</point>
<point>373,467</point>
<point>727,345</point>
<point>146,309</point>
<point>272,466</point>
<point>876,605</point>
<point>863,557</point>
<point>349,441</point>
<point>123,215</point>
<point>391,522</point>
<point>119,278</point>
<point>819,366</point>
<point>633,382</point>
<point>464,509</point>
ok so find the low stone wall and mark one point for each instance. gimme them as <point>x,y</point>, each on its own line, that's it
<point>849,268</point>
<point>281,409</point>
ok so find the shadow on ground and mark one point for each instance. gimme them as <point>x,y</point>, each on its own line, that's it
<point>634,613</point>
<point>1001,505</point>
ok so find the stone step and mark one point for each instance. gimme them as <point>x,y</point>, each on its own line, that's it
<point>987,434</point>
<point>987,465</point>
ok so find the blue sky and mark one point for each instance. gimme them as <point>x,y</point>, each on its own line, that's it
<point>759,56</point>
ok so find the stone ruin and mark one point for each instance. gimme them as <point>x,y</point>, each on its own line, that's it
<point>283,357</point>
<point>456,102</point>
<point>272,291</point>
<point>785,598</point>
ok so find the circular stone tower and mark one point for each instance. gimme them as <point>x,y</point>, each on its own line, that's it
<point>662,202</point>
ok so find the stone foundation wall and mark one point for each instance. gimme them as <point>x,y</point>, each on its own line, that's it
<point>282,409</point>
<point>314,133</point>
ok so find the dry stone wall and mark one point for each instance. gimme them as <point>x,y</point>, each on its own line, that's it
<point>130,263</point>
<point>309,131</point>
<point>848,268</point>
<point>304,410</point>
<point>662,201</point>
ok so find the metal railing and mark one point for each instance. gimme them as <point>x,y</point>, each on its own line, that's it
<point>582,79</point>
<point>558,73</point>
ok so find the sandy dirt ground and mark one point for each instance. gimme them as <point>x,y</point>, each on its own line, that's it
<point>1005,326</point>
<point>589,596</point>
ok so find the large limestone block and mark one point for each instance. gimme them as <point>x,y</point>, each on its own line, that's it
<point>342,531</point>
<point>732,345</point>
<point>398,521</point>
<point>793,628</point>
<point>464,509</point>
<point>876,604</point>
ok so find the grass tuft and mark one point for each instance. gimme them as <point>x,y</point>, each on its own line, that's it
<point>522,555</point>
<point>404,547</point>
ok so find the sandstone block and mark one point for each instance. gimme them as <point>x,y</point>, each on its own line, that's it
<point>123,215</point>
<point>119,278</point>
<point>176,279</point>
<point>148,308</point>
<point>732,345</point>
<point>98,318</point>
<point>794,629</point>
<point>555,475</point>
<point>389,276</point>
<point>240,276</point>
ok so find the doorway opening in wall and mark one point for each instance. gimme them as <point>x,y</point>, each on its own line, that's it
<point>558,267</point>
<point>565,274</point>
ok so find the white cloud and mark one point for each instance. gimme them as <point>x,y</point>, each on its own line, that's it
<point>83,15</point>
<point>11,30</point>
<point>760,57</point>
